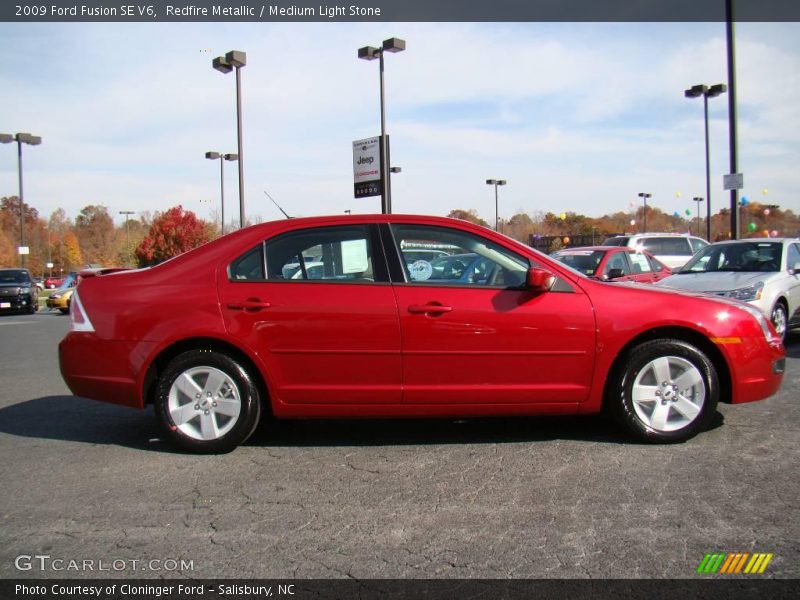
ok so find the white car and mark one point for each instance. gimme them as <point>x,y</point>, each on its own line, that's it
<point>672,249</point>
<point>764,272</point>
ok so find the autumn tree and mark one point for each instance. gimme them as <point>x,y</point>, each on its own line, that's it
<point>172,233</point>
<point>470,215</point>
<point>94,229</point>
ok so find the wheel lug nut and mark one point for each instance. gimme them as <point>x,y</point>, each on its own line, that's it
<point>198,396</point>
<point>206,411</point>
<point>213,404</point>
<point>197,407</point>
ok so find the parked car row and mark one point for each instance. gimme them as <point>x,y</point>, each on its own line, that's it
<point>220,335</point>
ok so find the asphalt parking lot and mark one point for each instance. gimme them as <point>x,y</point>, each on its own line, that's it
<point>510,498</point>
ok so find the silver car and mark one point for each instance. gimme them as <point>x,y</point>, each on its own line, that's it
<point>764,272</point>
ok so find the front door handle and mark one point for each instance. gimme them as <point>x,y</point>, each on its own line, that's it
<point>251,304</point>
<point>430,309</point>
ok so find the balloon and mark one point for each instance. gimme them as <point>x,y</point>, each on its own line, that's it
<point>563,216</point>
<point>751,226</point>
<point>676,214</point>
<point>538,236</point>
<point>744,201</point>
<point>633,222</point>
<point>566,240</point>
<point>766,212</point>
<point>688,212</point>
<point>678,194</point>
<point>632,204</point>
<point>774,233</point>
<point>765,191</point>
<point>766,233</point>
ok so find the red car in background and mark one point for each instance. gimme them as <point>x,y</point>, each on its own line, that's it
<point>53,282</point>
<point>614,263</point>
<point>218,336</point>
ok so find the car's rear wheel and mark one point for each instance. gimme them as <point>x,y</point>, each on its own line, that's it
<point>779,319</point>
<point>207,402</point>
<point>666,391</point>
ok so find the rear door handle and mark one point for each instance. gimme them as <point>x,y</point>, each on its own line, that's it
<point>251,304</point>
<point>434,309</point>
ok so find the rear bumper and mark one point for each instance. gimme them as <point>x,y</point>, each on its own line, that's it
<point>101,369</point>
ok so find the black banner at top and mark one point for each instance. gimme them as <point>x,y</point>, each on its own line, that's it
<point>394,11</point>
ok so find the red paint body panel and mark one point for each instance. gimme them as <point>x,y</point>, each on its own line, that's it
<point>354,349</point>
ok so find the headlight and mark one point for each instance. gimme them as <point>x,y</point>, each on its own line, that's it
<point>26,290</point>
<point>747,294</point>
<point>762,321</point>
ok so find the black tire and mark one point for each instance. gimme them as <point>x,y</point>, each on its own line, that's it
<point>779,319</point>
<point>236,386</point>
<point>64,311</point>
<point>668,421</point>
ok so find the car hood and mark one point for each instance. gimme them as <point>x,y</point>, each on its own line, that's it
<point>720,281</point>
<point>13,288</point>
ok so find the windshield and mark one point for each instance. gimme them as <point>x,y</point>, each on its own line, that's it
<point>69,281</point>
<point>14,277</point>
<point>764,257</point>
<point>583,261</point>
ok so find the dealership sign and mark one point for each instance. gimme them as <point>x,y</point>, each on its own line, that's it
<point>367,167</point>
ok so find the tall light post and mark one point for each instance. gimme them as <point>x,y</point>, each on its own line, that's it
<point>644,196</point>
<point>698,199</point>
<point>32,140</point>
<point>392,45</point>
<point>127,213</point>
<point>220,156</point>
<point>495,183</point>
<point>706,92</point>
<point>236,59</point>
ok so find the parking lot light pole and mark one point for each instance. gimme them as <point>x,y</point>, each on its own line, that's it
<point>31,140</point>
<point>495,183</point>
<point>236,59</point>
<point>698,199</point>
<point>220,156</point>
<point>392,45</point>
<point>706,92</point>
<point>644,196</point>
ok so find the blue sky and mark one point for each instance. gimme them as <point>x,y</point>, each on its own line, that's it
<point>577,117</point>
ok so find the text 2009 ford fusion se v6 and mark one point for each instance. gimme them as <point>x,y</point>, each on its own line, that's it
<point>340,317</point>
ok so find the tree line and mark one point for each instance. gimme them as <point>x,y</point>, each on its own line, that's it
<point>92,238</point>
<point>756,220</point>
<point>145,239</point>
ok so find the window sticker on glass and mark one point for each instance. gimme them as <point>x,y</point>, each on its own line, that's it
<point>354,256</point>
<point>420,270</point>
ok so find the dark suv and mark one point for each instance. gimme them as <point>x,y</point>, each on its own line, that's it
<point>18,291</point>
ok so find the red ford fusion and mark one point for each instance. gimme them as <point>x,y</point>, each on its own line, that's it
<point>218,337</point>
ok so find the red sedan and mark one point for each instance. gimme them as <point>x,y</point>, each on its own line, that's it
<point>617,263</point>
<point>218,336</point>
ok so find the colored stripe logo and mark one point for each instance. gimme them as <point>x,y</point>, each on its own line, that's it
<point>734,563</point>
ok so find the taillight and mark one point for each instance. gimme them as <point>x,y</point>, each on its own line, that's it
<point>78,319</point>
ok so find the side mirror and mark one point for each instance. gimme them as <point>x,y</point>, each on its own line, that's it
<point>795,268</point>
<point>613,274</point>
<point>540,280</point>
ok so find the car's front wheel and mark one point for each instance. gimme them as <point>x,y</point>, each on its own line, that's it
<point>207,402</point>
<point>666,391</point>
<point>779,319</point>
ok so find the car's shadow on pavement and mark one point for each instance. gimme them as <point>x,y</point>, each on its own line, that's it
<point>74,419</point>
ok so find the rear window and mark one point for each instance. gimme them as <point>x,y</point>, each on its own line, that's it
<point>672,246</point>
<point>616,241</point>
